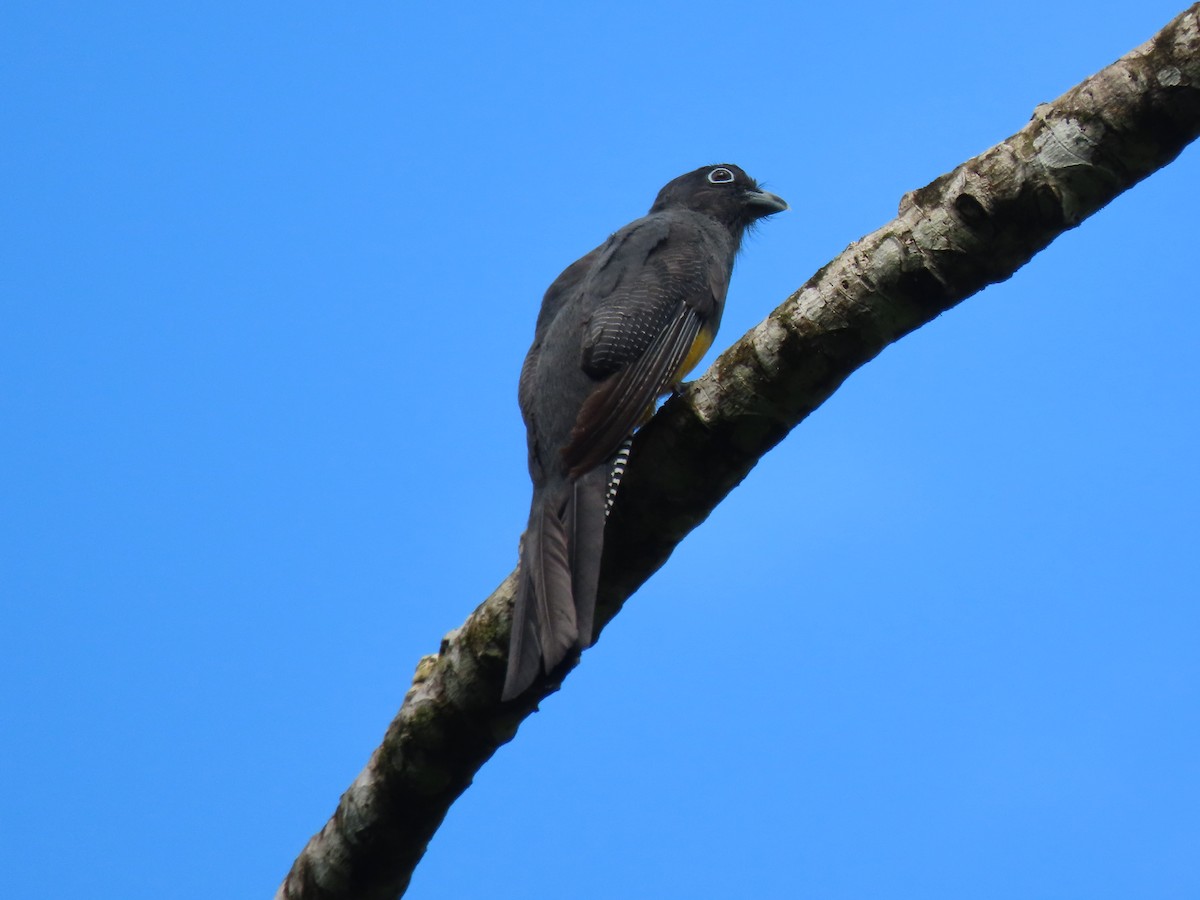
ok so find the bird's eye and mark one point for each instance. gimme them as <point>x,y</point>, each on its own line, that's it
<point>720,175</point>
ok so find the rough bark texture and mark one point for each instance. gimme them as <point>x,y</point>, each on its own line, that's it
<point>970,228</point>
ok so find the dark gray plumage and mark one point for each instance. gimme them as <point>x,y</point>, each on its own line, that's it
<point>617,330</point>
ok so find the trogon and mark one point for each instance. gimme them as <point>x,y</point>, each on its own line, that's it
<point>617,329</point>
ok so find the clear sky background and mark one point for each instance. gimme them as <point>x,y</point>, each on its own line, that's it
<point>268,274</point>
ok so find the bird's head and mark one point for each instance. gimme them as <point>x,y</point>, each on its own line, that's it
<point>722,191</point>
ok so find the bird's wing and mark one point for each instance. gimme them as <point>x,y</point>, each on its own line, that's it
<point>656,286</point>
<point>620,403</point>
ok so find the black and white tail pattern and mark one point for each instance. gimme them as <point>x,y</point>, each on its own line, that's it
<point>620,461</point>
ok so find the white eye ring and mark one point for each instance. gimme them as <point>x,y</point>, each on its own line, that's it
<point>720,175</point>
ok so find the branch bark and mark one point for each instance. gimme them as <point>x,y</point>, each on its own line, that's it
<point>970,228</point>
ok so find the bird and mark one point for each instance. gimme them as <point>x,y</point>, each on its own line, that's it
<point>618,329</point>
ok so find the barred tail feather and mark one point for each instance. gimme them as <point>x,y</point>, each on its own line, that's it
<point>616,473</point>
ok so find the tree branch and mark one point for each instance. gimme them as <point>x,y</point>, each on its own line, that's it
<point>970,228</point>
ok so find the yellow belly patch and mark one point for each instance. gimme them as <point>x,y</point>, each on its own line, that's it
<point>695,353</point>
<point>699,347</point>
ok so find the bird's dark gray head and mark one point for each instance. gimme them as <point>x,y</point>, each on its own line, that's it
<point>722,191</point>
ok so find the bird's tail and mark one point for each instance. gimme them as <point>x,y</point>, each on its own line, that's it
<point>556,584</point>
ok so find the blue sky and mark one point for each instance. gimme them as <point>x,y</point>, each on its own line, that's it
<point>269,272</point>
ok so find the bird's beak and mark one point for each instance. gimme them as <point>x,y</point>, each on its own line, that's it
<point>765,202</point>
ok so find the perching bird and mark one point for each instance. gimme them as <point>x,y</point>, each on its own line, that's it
<point>617,329</point>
